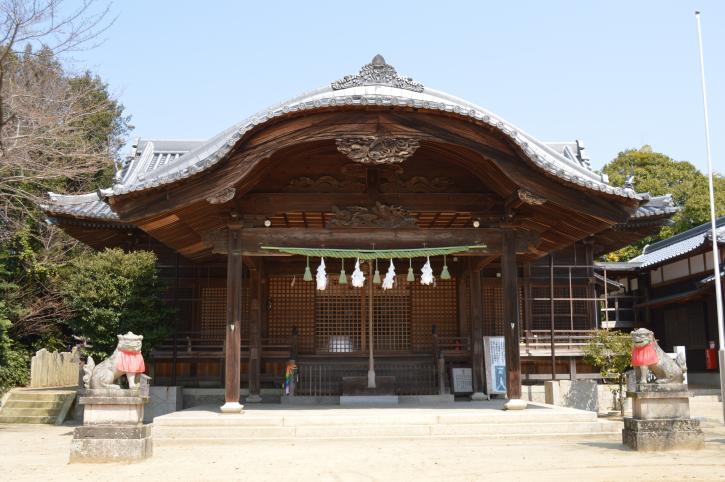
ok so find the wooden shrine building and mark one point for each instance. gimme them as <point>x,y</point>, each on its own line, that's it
<point>375,164</point>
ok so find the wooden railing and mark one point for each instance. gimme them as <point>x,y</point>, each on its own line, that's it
<point>195,344</point>
<point>324,377</point>
<point>569,342</point>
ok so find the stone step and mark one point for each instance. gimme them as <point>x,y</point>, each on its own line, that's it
<point>36,406</point>
<point>248,419</point>
<point>49,405</point>
<point>26,419</point>
<point>28,396</point>
<point>22,412</point>
<point>705,398</point>
<point>172,434</point>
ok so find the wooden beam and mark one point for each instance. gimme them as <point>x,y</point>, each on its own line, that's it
<point>511,204</point>
<point>510,293</point>
<point>232,344</point>
<point>483,262</point>
<point>254,238</point>
<point>274,203</point>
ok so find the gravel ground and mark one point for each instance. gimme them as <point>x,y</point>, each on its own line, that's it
<point>34,452</point>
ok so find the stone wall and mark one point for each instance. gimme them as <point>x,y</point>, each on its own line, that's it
<point>583,394</point>
<point>54,369</point>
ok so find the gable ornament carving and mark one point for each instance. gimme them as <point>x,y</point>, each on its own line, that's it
<point>393,181</point>
<point>326,184</point>
<point>530,198</point>
<point>376,150</point>
<point>377,72</point>
<point>222,196</point>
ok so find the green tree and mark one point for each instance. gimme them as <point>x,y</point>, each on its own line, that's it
<point>659,174</point>
<point>13,359</point>
<point>113,292</point>
<point>611,352</point>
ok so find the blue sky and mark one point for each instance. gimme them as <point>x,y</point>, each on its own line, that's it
<point>616,74</point>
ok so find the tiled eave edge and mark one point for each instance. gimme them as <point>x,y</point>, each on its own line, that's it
<point>87,222</point>
<point>56,210</point>
<point>218,148</point>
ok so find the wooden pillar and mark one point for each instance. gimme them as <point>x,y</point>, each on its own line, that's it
<point>528,302</point>
<point>232,349</point>
<point>476,307</point>
<point>255,331</point>
<point>510,293</point>
<point>591,284</point>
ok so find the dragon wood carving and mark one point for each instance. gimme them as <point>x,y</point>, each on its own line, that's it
<point>378,216</point>
<point>375,150</point>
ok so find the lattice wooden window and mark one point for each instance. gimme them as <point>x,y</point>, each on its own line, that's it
<point>214,312</point>
<point>568,315</point>
<point>292,304</point>
<point>391,318</point>
<point>433,305</point>
<point>493,323</point>
<point>464,306</point>
<point>492,307</point>
<point>338,318</point>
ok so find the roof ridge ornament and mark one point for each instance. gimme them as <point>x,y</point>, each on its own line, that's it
<point>377,72</point>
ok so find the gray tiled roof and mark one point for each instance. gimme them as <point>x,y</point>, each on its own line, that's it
<point>204,155</point>
<point>146,156</point>
<point>656,206</point>
<point>710,279</point>
<point>84,206</point>
<point>155,163</point>
<point>679,244</point>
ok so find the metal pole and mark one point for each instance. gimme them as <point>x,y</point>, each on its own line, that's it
<point>715,253</point>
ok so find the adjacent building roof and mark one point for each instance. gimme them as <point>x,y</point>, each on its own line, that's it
<point>679,244</point>
<point>656,206</point>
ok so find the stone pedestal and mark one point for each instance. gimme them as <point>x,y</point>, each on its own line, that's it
<point>358,386</point>
<point>661,419</point>
<point>113,429</point>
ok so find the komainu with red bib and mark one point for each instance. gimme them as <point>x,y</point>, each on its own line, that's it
<point>648,357</point>
<point>126,360</point>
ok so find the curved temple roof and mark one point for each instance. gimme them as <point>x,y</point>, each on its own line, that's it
<point>376,84</point>
<point>158,163</point>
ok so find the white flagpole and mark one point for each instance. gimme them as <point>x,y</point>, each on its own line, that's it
<point>715,253</point>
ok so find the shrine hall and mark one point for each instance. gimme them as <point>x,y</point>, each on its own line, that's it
<point>374,236</point>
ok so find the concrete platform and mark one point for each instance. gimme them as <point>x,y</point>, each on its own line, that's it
<point>460,419</point>
<point>368,400</point>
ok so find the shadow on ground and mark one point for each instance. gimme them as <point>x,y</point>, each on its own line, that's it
<point>607,445</point>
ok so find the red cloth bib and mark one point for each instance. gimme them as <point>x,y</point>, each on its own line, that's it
<point>130,362</point>
<point>644,355</point>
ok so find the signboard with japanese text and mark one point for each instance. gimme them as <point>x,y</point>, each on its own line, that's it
<point>494,359</point>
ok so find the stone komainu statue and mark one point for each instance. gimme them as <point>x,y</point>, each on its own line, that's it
<point>125,360</point>
<point>647,356</point>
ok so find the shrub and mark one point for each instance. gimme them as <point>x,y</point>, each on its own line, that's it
<point>14,368</point>
<point>112,292</point>
<point>611,352</point>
